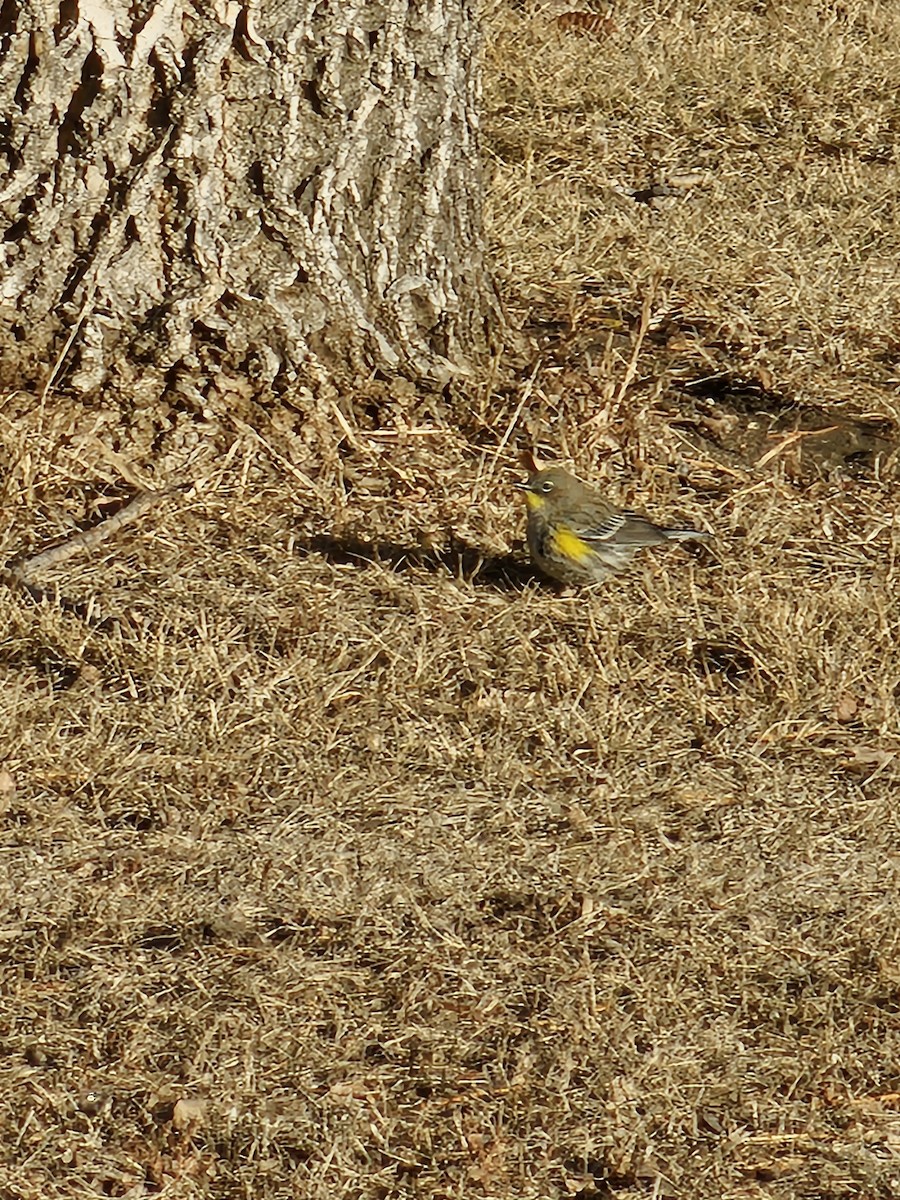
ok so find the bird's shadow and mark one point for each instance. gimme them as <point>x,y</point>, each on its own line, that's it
<point>505,573</point>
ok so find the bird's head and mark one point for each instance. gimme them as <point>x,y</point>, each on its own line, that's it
<point>543,485</point>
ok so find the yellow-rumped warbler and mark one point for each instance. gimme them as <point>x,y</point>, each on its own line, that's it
<point>576,536</point>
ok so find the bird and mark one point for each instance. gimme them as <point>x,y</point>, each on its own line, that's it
<point>577,537</point>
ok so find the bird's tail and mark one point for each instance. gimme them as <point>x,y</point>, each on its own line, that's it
<point>686,535</point>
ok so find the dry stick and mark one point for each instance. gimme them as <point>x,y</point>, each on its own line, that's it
<point>646,314</point>
<point>526,393</point>
<point>243,427</point>
<point>790,439</point>
<point>22,566</point>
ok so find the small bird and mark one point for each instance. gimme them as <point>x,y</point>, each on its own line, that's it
<point>578,537</point>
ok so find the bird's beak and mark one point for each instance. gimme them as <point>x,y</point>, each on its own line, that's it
<point>523,487</point>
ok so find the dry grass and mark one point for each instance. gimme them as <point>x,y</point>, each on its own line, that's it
<point>342,859</point>
<point>782,256</point>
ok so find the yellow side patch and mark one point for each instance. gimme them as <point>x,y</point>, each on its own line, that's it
<point>570,545</point>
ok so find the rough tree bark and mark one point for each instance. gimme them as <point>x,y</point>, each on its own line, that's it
<point>285,189</point>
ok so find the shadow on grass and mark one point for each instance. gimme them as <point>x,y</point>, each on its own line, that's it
<point>506,572</point>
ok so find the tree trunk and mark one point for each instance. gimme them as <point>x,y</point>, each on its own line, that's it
<point>282,190</point>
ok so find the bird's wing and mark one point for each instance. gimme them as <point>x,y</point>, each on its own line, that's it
<point>603,530</point>
<point>625,529</point>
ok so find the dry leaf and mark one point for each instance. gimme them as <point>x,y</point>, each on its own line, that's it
<point>589,24</point>
<point>687,179</point>
<point>7,789</point>
<point>188,1113</point>
<point>866,760</point>
<point>846,707</point>
<point>530,461</point>
<point>351,1089</point>
<point>721,425</point>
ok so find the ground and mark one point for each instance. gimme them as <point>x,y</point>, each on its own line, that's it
<point>342,856</point>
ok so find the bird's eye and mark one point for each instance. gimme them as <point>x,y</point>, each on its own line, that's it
<point>547,486</point>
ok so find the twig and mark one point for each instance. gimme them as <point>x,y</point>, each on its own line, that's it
<point>646,315</point>
<point>791,439</point>
<point>23,566</point>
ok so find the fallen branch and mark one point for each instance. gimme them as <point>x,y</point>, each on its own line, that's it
<point>25,565</point>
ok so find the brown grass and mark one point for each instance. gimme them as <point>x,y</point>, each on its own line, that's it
<point>340,857</point>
